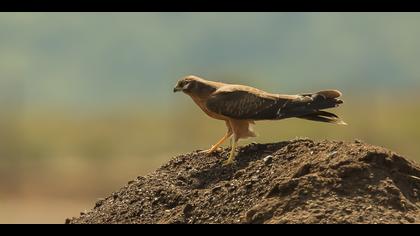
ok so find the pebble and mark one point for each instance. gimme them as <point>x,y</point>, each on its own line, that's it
<point>347,210</point>
<point>357,141</point>
<point>253,148</point>
<point>216,188</point>
<point>331,154</point>
<point>410,219</point>
<point>238,174</point>
<point>268,159</point>
<point>99,202</point>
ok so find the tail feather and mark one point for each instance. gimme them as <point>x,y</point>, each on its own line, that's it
<point>324,116</point>
<point>310,107</point>
<point>330,93</point>
<point>325,99</point>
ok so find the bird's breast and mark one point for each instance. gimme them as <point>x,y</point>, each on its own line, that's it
<point>202,104</point>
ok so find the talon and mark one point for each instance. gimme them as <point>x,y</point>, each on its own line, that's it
<point>210,151</point>
<point>227,162</point>
<point>206,152</point>
<point>216,147</point>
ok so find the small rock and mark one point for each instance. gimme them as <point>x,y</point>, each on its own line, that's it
<point>415,194</point>
<point>181,178</point>
<point>99,202</point>
<point>331,154</point>
<point>329,211</point>
<point>216,189</point>
<point>238,174</point>
<point>253,147</point>
<point>188,208</point>
<point>357,141</point>
<point>347,210</point>
<point>268,159</point>
<point>290,157</point>
<point>410,219</point>
<point>303,170</point>
<point>316,211</point>
<point>133,201</point>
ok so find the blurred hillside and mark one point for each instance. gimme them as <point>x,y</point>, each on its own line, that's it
<point>86,98</point>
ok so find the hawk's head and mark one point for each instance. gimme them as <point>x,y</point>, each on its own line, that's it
<point>193,85</point>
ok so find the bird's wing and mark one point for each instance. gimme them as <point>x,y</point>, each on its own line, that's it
<point>243,102</point>
<point>310,104</point>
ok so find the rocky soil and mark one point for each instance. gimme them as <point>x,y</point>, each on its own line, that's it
<point>297,181</point>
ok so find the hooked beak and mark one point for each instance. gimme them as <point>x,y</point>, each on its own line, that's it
<point>177,89</point>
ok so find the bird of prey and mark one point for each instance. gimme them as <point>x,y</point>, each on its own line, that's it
<point>240,106</point>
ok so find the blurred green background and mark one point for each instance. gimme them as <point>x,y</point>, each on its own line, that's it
<point>86,99</point>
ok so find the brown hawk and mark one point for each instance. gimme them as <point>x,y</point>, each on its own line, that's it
<point>240,106</point>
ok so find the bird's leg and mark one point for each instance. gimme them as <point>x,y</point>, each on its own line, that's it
<point>232,152</point>
<point>220,142</point>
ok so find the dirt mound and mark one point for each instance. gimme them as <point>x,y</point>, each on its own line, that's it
<point>298,181</point>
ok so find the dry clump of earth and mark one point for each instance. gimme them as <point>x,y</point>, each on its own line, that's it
<point>297,181</point>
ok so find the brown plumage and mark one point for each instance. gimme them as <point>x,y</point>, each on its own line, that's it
<point>240,106</point>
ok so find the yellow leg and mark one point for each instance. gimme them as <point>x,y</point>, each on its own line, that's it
<point>220,142</point>
<point>231,158</point>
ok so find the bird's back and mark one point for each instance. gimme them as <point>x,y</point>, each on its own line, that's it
<point>245,102</point>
